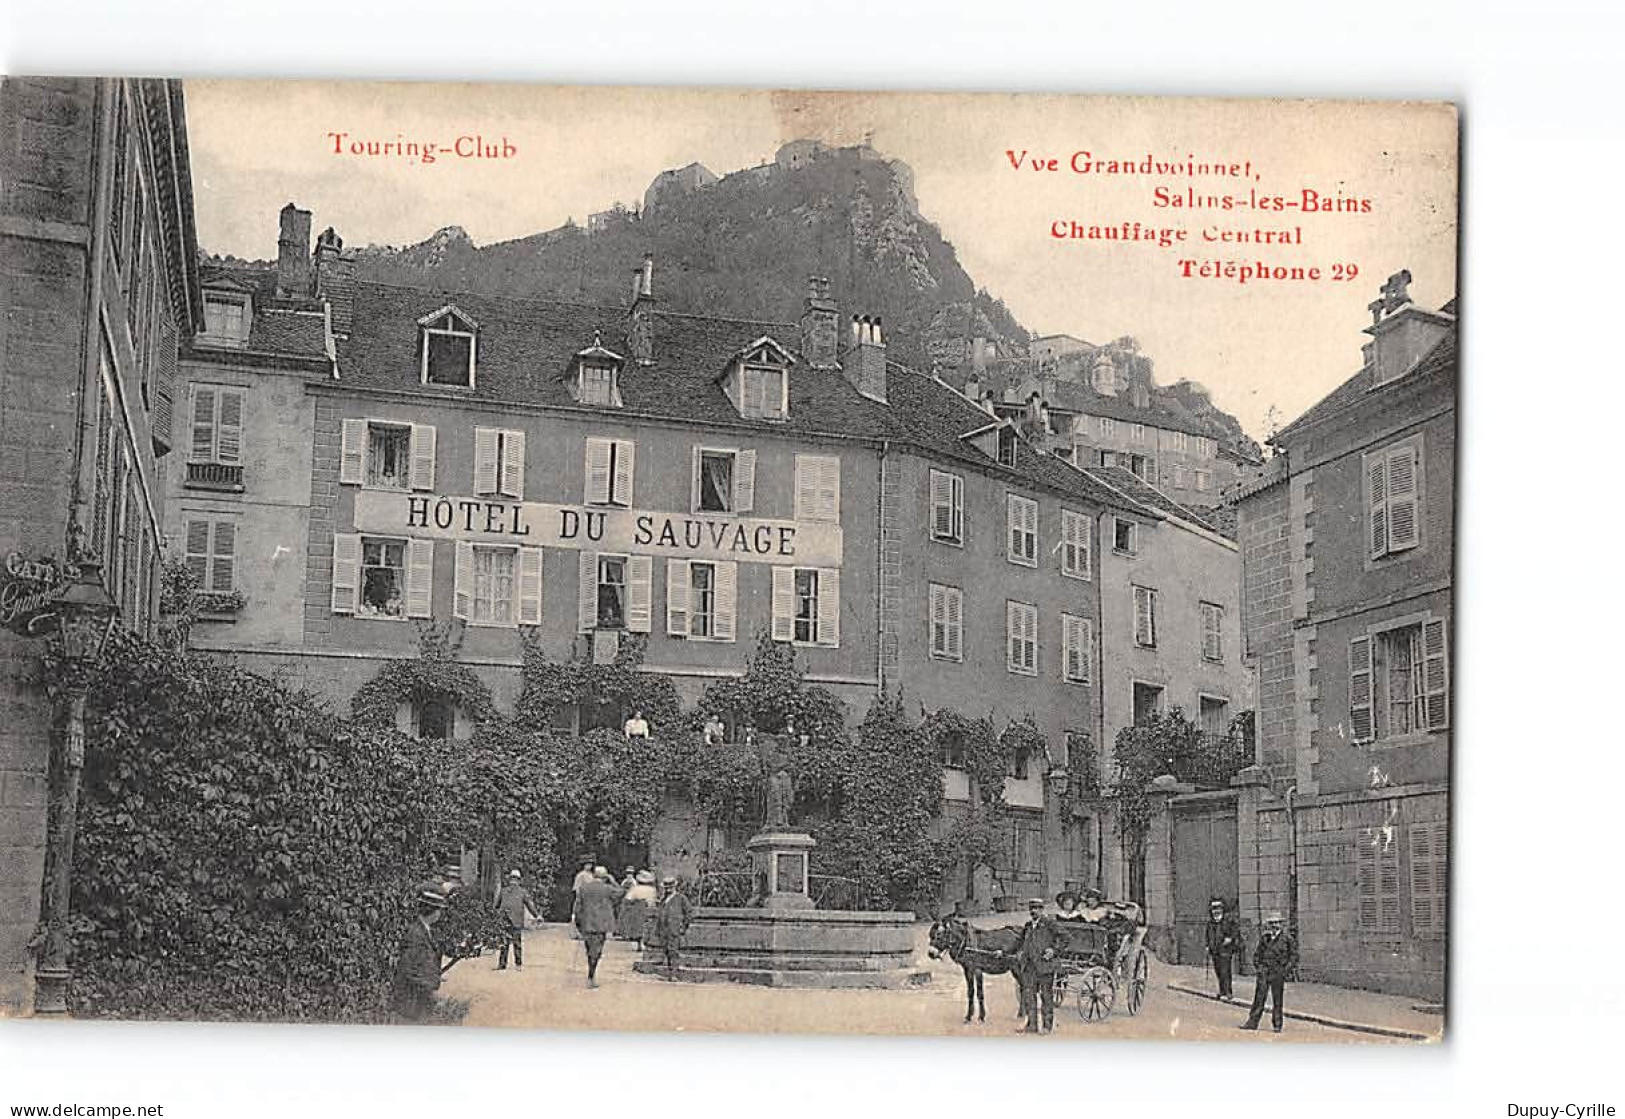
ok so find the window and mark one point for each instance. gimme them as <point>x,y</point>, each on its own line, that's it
<point>383,579</point>
<point>615,593</point>
<point>1393,494</point>
<point>807,605</point>
<point>434,719</point>
<point>701,599</point>
<point>1204,480</point>
<point>1399,681</point>
<point>598,385</point>
<point>1077,640</point>
<point>1213,714</point>
<point>953,750</point>
<point>1175,441</point>
<point>1075,528</point>
<point>947,507</point>
<point>724,480</point>
<point>1430,869</point>
<point>818,488</point>
<point>493,597</point>
<point>217,424</point>
<point>499,462</point>
<point>1108,428</point>
<point>1147,702</point>
<point>762,392</point>
<point>386,455</point>
<point>1145,617</point>
<point>1021,638</point>
<point>947,622</point>
<point>1125,536</point>
<point>1007,446</point>
<point>225,318</point>
<point>1178,476</point>
<point>1136,433</point>
<point>609,471</point>
<point>611,592</point>
<point>1212,631</point>
<point>448,348</point>
<point>211,552</point>
<point>1376,877</point>
<point>1021,764</point>
<point>1021,517</point>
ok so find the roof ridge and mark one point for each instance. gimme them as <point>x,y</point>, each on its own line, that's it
<point>452,294</point>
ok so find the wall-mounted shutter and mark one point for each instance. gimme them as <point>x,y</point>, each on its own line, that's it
<point>1086,638</point>
<point>677,597</point>
<point>784,604</point>
<point>419,578</point>
<point>726,602</point>
<point>806,487</point>
<point>1388,880</point>
<point>346,571</point>
<point>485,460</point>
<point>1402,499</point>
<point>639,594</point>
<point>937,598</point>
<point>513,464</point>
<point>202,422</point>
<point>625,452</point>
<point>597,485</point>
<point>954,615</point>
<point>423,456</point>
<point>463,581</point>
<point>829,489</point>
<point>744,495</point>
<point>1436,673</point>
<point>587,592</point>
<point>353,452</point>
<point>829,606</point>
<point>1377,503</point>
<point>1365,878</point>
<point>197,551</point>
<point>1360,724</point>
<point>530,586</point>
<point>942,513</point>
<point>223,562</point>
<point>1429,861</point>
<point>229,432</point>
<point>818,488</point>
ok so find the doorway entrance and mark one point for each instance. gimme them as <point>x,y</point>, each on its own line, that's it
<point>1205,867</point>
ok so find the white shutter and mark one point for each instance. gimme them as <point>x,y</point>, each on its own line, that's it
<point>942,513</point>
<point>1012,636</point>
<point>806,488</point>
<point>1402,499</point>
<point>423,456</point>
<point>197,551</point>
<point>1069,647</point>
<point>353,453</point>
<point>625,450</point>
<point>694,481</point>
<point>639,595</point>
<point>530,586</point>
<point>677,577</point>
<point>1377,503</point>
<point>202,423</point>
<point>587,593</point>
<point>485,460</point>
<point>229,431</point>
<point>1436,673</point>
<point>956,490</point>
<point>1365,878</point>
<point>1360,689</point>
<point>937,597</point>
<point>829,605</point>
<point>513,463</point>
<point>784,604</point>
<point>1086,638</point>
<point>744,481</point>
<point>346,571</point>
<point>419,578</point>
<point>829,489</point>
<point>463,581</point>
<point>597,484</point>
<point>726,601</point>
<point>954,614</point>
<point>223,561</point>
<point>1419,838</point>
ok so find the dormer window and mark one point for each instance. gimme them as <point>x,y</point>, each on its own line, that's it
<point>448,348</point>
<point>225,318</point>
<point>759,382</point>
<point>597,379</point>
<point>1007,446</point>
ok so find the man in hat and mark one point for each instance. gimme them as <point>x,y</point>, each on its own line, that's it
<point>417,971</point>
<point>673,912</point>
<point>583,876</point>
<point>513,902</point>
<point>1037,967</point>
<point>1223,942</point>
<point>595,917</point>
<point>1275,959</point>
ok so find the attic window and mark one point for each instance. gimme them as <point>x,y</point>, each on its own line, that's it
<point>225,318</point>
<point>598,378</point>
<point>762,392</point>
<point>448,349</point>
<point>1007,446</point>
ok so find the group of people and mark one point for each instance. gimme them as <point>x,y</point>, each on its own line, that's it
<point>1275,958</point>
<point>633,910</point>
<point>1040,943</point>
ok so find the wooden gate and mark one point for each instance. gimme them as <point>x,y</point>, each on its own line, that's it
<point>1204,864</point>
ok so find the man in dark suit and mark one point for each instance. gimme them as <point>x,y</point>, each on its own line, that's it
<point>417,972</point>
<point>671,920</point>
<point>1275,959</point>
<point>1038,967</point>
<point>595,917</point>
<point>1223,942</point>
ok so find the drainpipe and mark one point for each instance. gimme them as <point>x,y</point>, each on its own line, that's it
<point>880,570</point>
<point>1292,859</point>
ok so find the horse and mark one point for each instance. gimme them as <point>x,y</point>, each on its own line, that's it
<point>978,952</point>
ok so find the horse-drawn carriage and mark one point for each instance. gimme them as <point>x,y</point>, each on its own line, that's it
<point>1100,958</point>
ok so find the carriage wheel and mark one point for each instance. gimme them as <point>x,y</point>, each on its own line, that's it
<point>1139,977</point>
<point>1096,991</point>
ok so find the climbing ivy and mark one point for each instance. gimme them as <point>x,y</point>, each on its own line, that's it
<point>435,675</point>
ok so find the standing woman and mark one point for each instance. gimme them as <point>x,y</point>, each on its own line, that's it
<point>634,916</point>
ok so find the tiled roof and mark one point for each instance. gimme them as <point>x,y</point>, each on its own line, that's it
<point>297,333</point>
<point>1076,396</point>
<point>1441,358</point>
<point>1146,494</point>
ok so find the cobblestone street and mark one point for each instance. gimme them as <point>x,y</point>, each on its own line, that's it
<point>551,993</point>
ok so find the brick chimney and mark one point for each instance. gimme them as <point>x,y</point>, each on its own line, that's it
<point>1401,332</point>
<point>820,326</point>
<point>978,354</point>
<point>335,279</point>
<point>293,253</point>
<point>640,325</point>
<point>865,362</point>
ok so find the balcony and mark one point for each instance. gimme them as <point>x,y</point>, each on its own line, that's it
<point>1215,760</point>
<point>219,476</point>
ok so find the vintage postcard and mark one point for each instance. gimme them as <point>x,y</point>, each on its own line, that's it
<point>681,559</point>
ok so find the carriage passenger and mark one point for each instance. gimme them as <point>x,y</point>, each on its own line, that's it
<point>1067,901</point>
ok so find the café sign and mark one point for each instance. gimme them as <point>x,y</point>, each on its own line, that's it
<point>699,536</point>
<point>28,594</point>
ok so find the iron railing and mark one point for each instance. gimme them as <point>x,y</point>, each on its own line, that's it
<point>215,476</point>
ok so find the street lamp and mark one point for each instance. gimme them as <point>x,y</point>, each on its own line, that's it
<point>85,616</point>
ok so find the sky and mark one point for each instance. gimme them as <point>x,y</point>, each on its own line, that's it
<point>1257,346</point>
